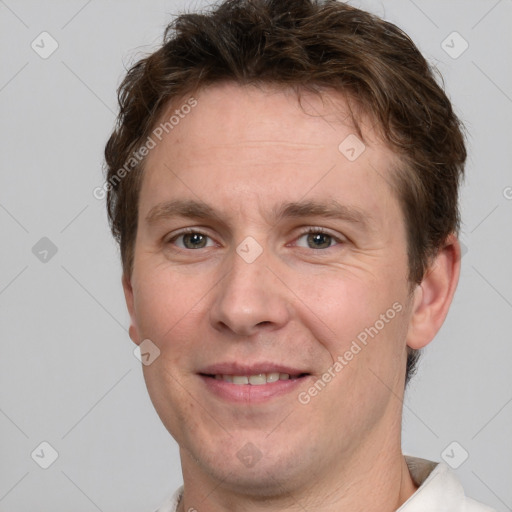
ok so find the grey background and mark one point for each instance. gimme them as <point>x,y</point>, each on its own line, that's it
<point>68,375</point>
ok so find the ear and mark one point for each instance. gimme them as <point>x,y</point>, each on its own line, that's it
<point>433,296</point>
<point>128,295</point>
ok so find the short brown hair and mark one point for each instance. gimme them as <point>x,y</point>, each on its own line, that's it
<point>304,45</point>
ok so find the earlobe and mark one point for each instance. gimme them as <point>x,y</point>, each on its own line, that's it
<point>433,296</point>
<point>128,295</point>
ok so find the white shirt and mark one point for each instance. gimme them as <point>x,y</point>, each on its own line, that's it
<point>439,490</point>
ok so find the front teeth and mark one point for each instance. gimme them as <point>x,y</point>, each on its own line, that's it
<point>255,380</point>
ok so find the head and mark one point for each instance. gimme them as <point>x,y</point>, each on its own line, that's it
<point>243,128</point>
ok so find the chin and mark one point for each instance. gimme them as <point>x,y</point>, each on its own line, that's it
<point>255,467</point>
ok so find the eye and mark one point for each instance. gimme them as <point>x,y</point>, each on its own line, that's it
<point>317,238</point>
<point>190,239</point>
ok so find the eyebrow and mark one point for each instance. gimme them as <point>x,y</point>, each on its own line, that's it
<point>291,210</point>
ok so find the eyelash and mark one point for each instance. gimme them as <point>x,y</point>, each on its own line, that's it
<point>305,231</point>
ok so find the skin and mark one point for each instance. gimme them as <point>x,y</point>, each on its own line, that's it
<point>244,151</point>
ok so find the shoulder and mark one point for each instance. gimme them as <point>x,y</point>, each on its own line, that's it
<point>438,489</point>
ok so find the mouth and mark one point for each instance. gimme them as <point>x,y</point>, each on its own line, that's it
<point>251,383</point>
<point>257,379</point>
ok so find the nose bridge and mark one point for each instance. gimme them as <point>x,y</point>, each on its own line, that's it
<point>249,295</point>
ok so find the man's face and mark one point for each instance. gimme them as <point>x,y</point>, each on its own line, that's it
<point>248,289</point>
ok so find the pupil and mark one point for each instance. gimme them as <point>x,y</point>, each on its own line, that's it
<point>322,239</point>
<point>195,240</point>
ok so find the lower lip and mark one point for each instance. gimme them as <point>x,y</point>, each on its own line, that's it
<point>249,393</point>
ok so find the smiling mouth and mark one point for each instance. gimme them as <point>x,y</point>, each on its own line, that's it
<point>258,379</point>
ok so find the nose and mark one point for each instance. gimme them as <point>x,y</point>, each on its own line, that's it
<point>250,298</point>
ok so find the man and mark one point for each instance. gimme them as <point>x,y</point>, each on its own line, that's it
<point>283,183</point>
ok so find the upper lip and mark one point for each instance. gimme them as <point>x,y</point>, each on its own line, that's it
<point>249,369</point>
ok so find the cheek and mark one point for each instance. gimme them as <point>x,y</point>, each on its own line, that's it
<point>363,322</point>
<point>345,305</point>
<point>164,302</point>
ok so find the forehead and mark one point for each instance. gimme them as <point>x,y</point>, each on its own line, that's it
<point>243,141</point>
<point>230,113</point>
